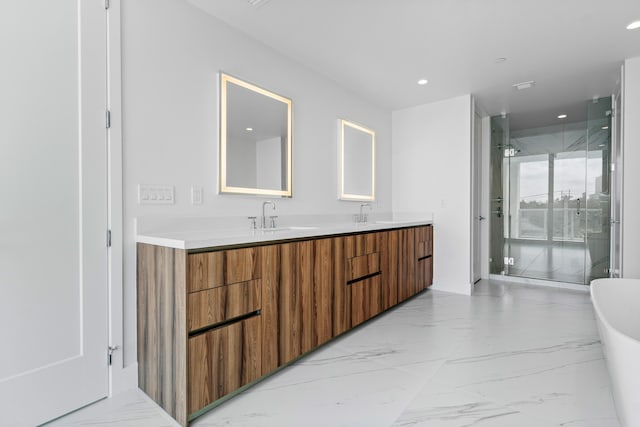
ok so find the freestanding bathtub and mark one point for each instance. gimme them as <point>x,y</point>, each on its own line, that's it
<point>617,307</point>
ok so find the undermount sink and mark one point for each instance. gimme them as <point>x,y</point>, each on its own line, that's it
<point>390,221</point>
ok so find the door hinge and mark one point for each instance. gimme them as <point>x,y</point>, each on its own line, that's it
<point>107,119</point>
<point>110,351</point>
<point>107,4</point>
<point>108,238</point>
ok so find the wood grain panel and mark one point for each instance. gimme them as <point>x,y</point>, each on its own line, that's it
<point>323,291</point>
<point>162,327</point>
<point>388,246</point>
<point>424,273</point>
<point>365,300</point>
<point>341,292</point>
<point>360,244</point>
<point>304,281</point>
<point>424,244</point>
<point>222,303</point>
<point>212,269</point>
<point>289,306</point>
<point>270,259</point>
<point>223,360</point>
<point>242,265</point>
<point>206,271</point>
<point>406,264</point>
<point>363,265</point>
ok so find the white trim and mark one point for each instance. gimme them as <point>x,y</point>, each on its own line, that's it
<point>120,377</point>
<point>539,282</point>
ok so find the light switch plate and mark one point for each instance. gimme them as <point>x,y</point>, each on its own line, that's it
<point>196,195</point>
<point>155,194</point>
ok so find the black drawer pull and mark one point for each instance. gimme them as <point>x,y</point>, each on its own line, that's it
<point>224,323</point>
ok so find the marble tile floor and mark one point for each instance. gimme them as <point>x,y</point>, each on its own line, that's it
<point>510,355</point>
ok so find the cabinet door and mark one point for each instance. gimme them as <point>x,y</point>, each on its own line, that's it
<point>388,246</point>
<point>223,360</point>
<point>341,292</point>
<point>406,263</point>
<point>298,291</point>
<point>365,299</point>
<point>322,291</point>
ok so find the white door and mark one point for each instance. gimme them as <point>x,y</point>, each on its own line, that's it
<point>53,208</point>
<point>476,179</point>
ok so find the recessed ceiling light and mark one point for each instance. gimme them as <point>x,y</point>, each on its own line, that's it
<point>605,127</point>
<point>423,82</point>
<point>634,25</point>
<point>249,129</point>
<point>524,85</point>
<point>562,116</point>
<point>500,60</point>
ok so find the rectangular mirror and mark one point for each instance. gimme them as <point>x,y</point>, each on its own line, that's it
<point>255,140</point>
<point>357,162</point>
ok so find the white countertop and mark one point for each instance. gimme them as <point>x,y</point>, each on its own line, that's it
<point>186,238</point>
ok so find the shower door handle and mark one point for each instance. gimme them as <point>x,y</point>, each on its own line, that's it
<point>578,211</point>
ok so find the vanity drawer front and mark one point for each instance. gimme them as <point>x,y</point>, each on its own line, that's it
<point>362,266</point>
<point>424,241</point>
<point>360,244</point>
<point>223,360</point>
<point>365,299</point>
<point>213,269</point>
<point>223,303</point>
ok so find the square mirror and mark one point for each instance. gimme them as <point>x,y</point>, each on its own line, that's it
<point>255,140</point>
<point>357,162</point>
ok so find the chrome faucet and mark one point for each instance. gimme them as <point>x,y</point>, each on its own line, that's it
<point>362,217</point>
<point>263,219</point>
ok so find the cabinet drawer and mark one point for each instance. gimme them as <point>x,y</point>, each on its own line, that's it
<point>223,360</point>
<point>362,266</point>
<point>424,241</point>
<point>424,273</point>
<point>213,269</point>
<point>360,244</point>
<point>365,299</point>
<point>216,305</point>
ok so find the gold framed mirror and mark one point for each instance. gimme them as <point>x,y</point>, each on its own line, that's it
<point>255,140</point>
<point>357,162</point>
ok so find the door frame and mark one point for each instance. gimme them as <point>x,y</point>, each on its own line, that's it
<point>121,376</point>
<point>477,193</point>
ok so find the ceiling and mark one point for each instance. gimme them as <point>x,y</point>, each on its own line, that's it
<point>379,49</point>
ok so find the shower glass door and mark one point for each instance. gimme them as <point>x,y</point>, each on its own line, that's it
<point>554,193</point>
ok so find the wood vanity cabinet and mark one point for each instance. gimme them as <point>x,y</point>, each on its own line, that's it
<point>199,325</point>
<point>212,321</point>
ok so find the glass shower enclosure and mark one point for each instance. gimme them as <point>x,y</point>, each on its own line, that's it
<point>550,198</point>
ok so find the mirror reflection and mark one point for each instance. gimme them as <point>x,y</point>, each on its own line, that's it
<point>255,139</point>
<point>357,175</point>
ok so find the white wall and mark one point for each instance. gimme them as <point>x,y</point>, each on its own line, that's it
<point>432,173</point>
<point>631,172</point>
<point>171,55</point>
